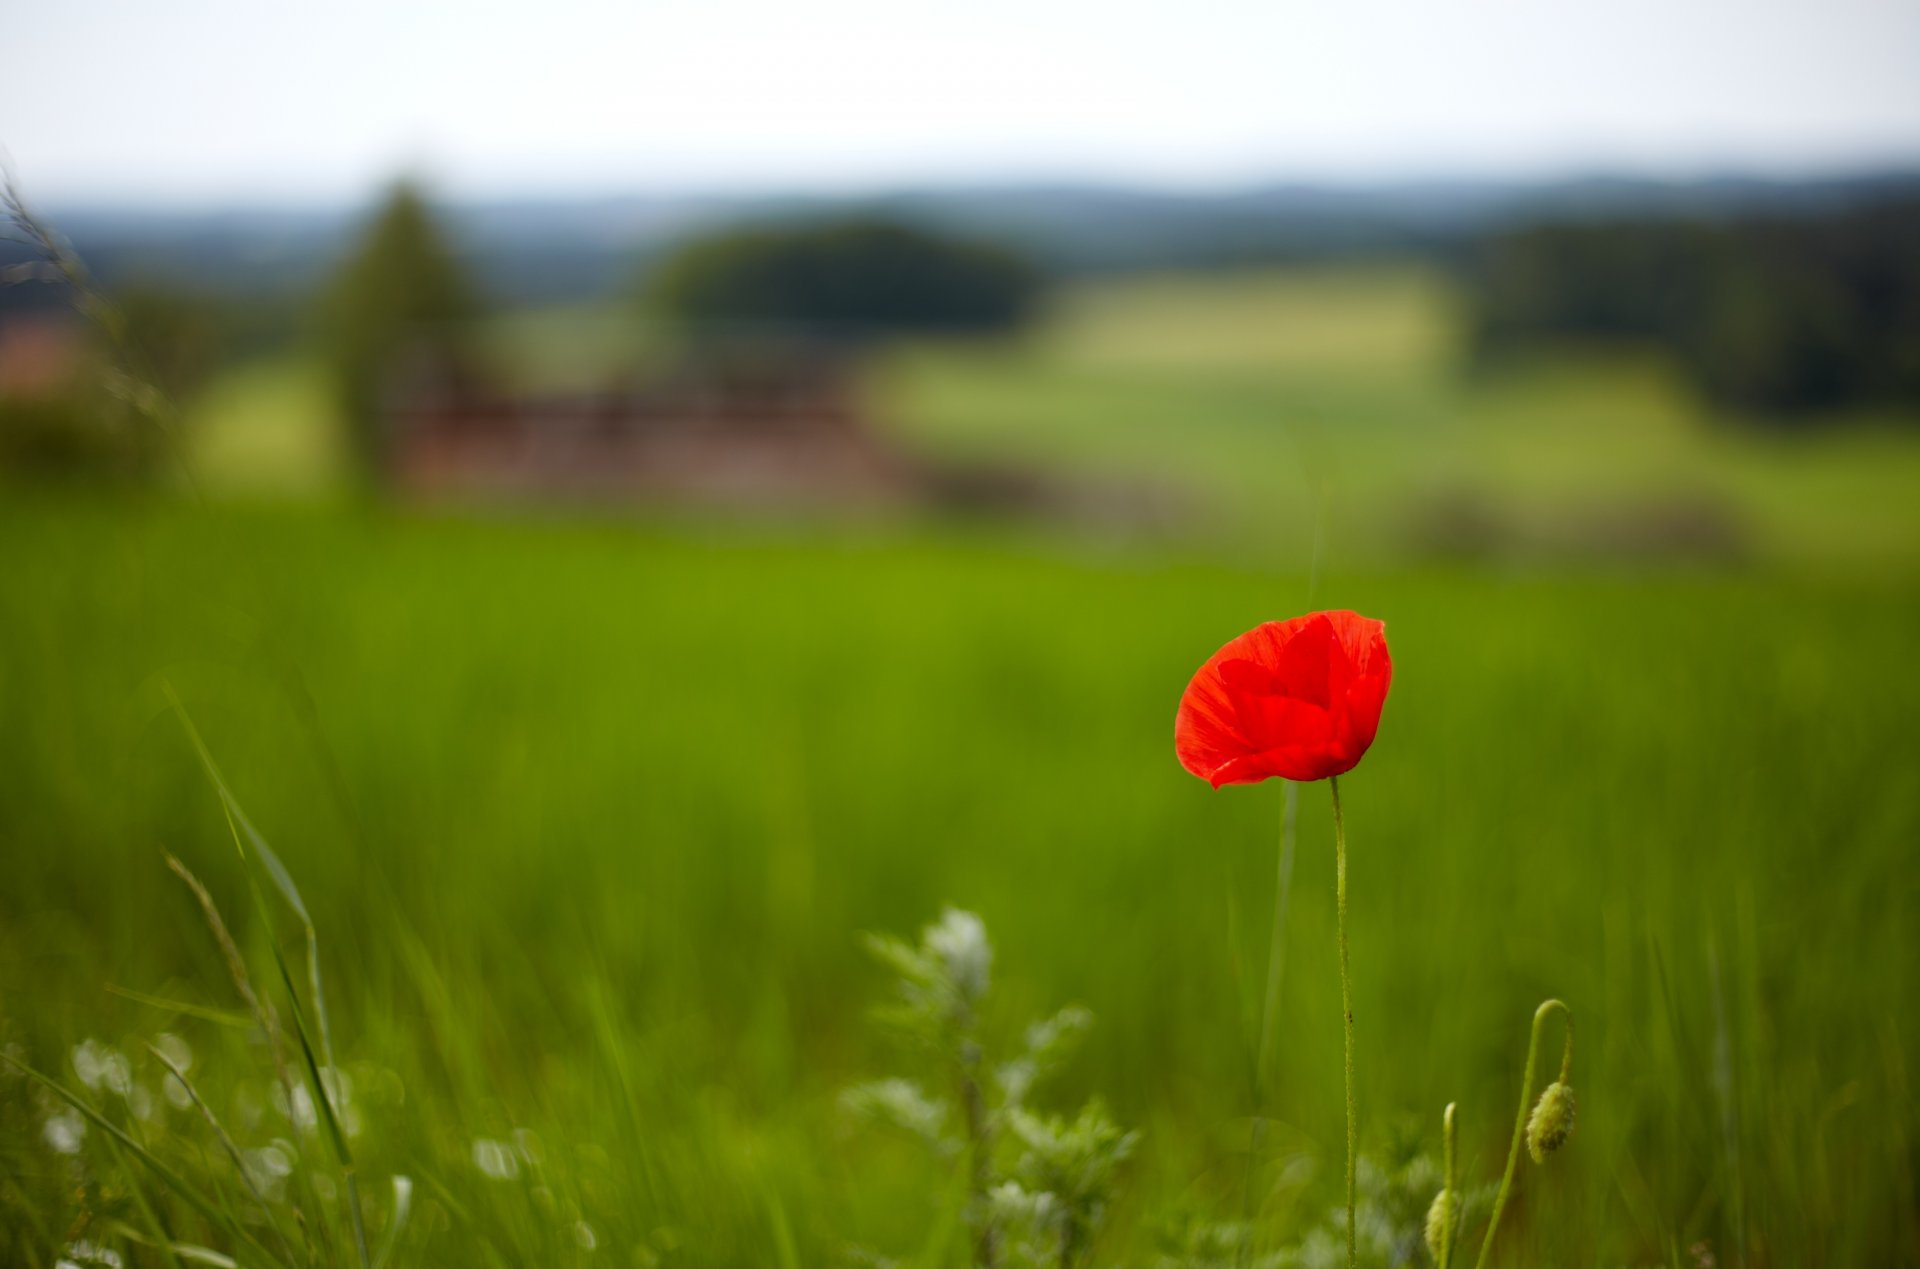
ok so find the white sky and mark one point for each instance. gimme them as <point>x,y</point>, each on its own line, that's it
<point>207,101</point>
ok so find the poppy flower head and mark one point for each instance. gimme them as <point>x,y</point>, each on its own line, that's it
<point>1299,699</point>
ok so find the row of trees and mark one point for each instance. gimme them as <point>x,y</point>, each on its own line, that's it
<point>1786,317</point>
<point>402,296</point>
<point>1775,318</point>
<point>855,279</point>
<point>402,301</point>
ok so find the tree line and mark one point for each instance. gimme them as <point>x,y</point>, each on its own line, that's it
<point>1776,318</point>
<point>1788,317</point>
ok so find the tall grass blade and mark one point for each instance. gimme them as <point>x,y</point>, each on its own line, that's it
<point>162,1239</point>
<point>323,1101</point>
<point>237,970</point>
<point>227,1144</point>
<point>172,1180</point>
<point>402,1208</point>
<point>270,861</point>
<point>245,835</point>
<point>184,1008</point>
<point>787,1255</point>
<point>182,1251</point>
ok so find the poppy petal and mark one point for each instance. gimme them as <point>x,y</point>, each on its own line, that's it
<point>1298,699</point>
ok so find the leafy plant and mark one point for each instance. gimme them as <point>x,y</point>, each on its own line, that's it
<point>1038,1186</point>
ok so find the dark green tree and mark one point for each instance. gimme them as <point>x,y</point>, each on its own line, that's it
<point>850,280</point>
<point>400,299</point>
<point>1780,317</point>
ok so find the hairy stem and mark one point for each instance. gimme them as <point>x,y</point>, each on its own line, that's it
<point>1451,1224</point>
<point>1346,1006</point>
<point>1520,1120</point>
<point>986,1252</point>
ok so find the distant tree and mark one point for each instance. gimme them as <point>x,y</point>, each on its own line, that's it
<point>173,335</point>
<point>854,280</point>
<point>1777,317</point>
<point>400,297</point>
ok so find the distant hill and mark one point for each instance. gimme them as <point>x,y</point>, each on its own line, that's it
<point>537,250</point>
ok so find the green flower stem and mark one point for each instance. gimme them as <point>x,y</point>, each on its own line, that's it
<point>1451,1226</point>
<point>1346,1005</point>
<point>1526,1104</point>
<point>986,1249</point>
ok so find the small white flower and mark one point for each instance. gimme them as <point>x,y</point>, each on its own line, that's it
<point>115,1073</point>
<point>174,1049</point>
<point>64,1131</point>
<point>299,1112</point>
<point>89,1062</point>
<point>495,1159</point>
<point>272,1161</point>
<point>959,939</point>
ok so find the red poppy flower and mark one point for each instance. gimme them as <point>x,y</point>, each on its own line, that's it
<point>1298,699</point>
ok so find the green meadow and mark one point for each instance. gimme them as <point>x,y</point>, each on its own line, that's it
<point>591,812</point>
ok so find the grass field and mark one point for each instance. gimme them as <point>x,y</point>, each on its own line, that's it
<point>591,814</point>
<point>1340,397</point>
<point>1282,409</point>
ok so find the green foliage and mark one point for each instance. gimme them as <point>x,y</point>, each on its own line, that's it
<point>843,280</point>
<point>1038,1186</point>
<point>80,435</point>
<point>174,338</point>
<point>586,813</point>
<point>1062,1184</point>
<point>398,304</point>
<point>1773,317</point>
<point>1395,1200</point>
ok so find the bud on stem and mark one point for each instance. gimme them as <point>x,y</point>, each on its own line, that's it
<point>1443,1218</point>
<point>1554,1115</point>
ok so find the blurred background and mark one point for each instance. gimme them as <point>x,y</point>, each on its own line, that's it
<point>636,496</point>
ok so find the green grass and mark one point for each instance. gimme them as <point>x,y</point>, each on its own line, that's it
<point>592,813</point>
<point>591,816</point>
<point>1339,397</point>
<point>267,428</point>
<point>1271,408</point>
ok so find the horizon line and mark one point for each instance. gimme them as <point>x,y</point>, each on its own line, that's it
<point>469,193</point>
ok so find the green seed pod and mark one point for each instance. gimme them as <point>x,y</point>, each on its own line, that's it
<point>1551,1122</point>
<point>1439,1217</point>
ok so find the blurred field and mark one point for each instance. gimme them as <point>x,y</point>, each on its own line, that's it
<point>591,812</point>
<point>1338,395</point>
<point>1273,410</point>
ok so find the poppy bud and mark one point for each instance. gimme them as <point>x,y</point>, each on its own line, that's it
<point>1440,1219</point>
<point>1551,1122</point>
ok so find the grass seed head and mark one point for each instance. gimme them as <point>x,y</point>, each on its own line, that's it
<point>1551,1122</point>
<point>1439,1219</point>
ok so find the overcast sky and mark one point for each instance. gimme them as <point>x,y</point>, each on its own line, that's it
<point>210,101</point>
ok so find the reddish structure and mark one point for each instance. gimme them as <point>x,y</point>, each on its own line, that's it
<point>772,434</point>
<point>40,357</point>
